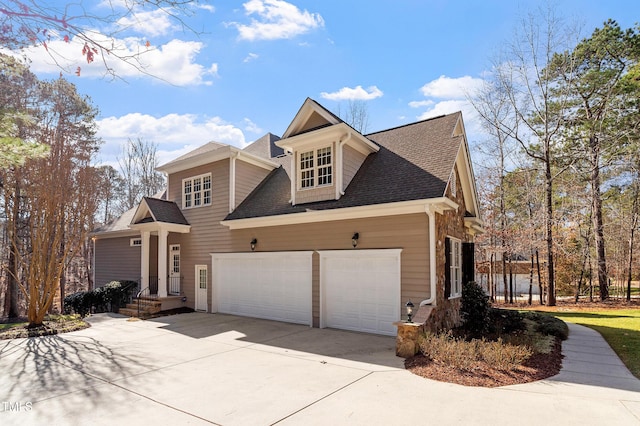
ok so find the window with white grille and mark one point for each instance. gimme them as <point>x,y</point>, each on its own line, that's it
<point>316,168</point>
<point>196,191</point>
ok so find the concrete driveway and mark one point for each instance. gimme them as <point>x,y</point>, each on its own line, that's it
<point>220,369</point>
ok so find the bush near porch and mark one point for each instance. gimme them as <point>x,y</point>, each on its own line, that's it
<point>102,299</point>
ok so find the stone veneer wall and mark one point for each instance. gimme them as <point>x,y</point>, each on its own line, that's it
<point>446,313</point>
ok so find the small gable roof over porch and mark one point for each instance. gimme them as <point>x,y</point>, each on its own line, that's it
<point>160,212</point>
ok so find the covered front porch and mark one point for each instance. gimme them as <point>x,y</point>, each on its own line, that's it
<point>160,275</point>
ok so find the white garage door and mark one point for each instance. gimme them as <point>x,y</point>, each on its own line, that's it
<point>273,286</point>
<point>360,290</point>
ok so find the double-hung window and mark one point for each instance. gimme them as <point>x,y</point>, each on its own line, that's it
<point>196,191</point>
<point>316,168</point>
<point>453,268</point>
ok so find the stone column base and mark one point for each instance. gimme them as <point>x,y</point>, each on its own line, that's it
<point>407,339</point>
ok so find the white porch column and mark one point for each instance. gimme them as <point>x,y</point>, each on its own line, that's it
<point>162,262</point>
<point>144,259</point>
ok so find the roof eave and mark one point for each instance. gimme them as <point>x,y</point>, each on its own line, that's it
<point>312,216</point>
<point>219,154</point>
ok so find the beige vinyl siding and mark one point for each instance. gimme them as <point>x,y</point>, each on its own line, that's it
<point>206,235</point>
<point>312,195</point>
<point>315,120</point>
<point>248,177</point>
<point>408,232</point>
<point>351,162</point>
<point>116,260</point>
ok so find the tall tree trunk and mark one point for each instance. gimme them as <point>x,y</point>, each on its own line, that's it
<point>634,224</point>
<point>540,287</point>
<point>12,298</point>
<point>63,276</point>
<point>598,225</point>
<point>504,277</point>
<point>551,289</point>
<point>531,280</point>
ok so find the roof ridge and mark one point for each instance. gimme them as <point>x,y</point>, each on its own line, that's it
<point>413,123</point>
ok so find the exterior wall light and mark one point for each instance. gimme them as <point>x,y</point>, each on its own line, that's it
<point>253,244</point>
<point>409,307</point>
<point>354,239</point>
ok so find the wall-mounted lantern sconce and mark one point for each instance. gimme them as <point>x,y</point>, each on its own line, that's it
<point>253,244</point>
<point>409,307</point>
<point>354,239</point>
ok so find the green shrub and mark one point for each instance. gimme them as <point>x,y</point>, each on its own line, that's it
<point>505,321</point>
<point>548,325</point>
<point>108,298</point>
<point>537,342</point>
<point>475,309</point>
<point>79,303</point>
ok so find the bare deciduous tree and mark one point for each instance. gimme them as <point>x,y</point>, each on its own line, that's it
<point>138,171</point>
<point>26,23</point>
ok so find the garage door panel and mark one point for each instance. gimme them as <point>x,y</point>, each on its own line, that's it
<point>273,286</point>
<point>360,290</point>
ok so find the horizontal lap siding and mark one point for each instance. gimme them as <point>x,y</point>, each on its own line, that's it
<point>408,232</point>
<point>351,162</point>
<point>248,177</point>
<point>116,260</point>
<point>206,235</point>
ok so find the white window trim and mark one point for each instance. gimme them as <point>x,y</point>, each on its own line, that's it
<point>454,183</point>
<point>316,168</point>
<point>135,242</point>
<point>455,265</point>
<point>201,191</point>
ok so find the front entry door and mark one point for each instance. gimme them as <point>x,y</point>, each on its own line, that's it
<point>201,288</point>
<point>174,269</point>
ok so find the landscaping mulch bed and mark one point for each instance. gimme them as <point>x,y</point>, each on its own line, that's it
<point>48,328</point>
<point>538,367</point>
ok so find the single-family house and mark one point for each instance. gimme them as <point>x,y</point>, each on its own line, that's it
<point>323,226</point>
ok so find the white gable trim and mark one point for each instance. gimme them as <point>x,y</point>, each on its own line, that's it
<point>306,110</point>
<point>219,154</point>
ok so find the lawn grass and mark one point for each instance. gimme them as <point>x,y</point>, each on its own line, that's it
<point>619,327</point>
<point>11,325</point>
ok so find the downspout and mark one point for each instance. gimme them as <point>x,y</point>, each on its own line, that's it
<point>93,263</point>
<point>341,165</point>
<point>432,257</point>
<point>232,182</point>
<point>294,177</point>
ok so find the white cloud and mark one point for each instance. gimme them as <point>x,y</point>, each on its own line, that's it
<point>207,7</point>
<point>276,19</point>
<point>449,95</point>
<point>451,88</point>
<point>153,23</point>
<point>173,62</point>
<point>419,104</point>
<point>354,94</point>
<point>174,134</point>
<point>252,127</point>
<point>250,57</point>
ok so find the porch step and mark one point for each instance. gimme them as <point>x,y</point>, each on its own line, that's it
<point>148,307</point>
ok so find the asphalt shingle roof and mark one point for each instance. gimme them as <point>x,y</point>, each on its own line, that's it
<point>165,211</point>
<point>265,147</point>
<point>414,162</point>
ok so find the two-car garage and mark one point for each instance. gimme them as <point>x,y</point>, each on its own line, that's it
<point>358,289</point>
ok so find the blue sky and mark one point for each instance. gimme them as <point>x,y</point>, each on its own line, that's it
<point>253,64</point>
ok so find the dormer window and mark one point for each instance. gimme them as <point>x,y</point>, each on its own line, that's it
<point>316,168</point>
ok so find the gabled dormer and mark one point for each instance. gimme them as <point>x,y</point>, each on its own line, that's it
<point>325,154</point>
